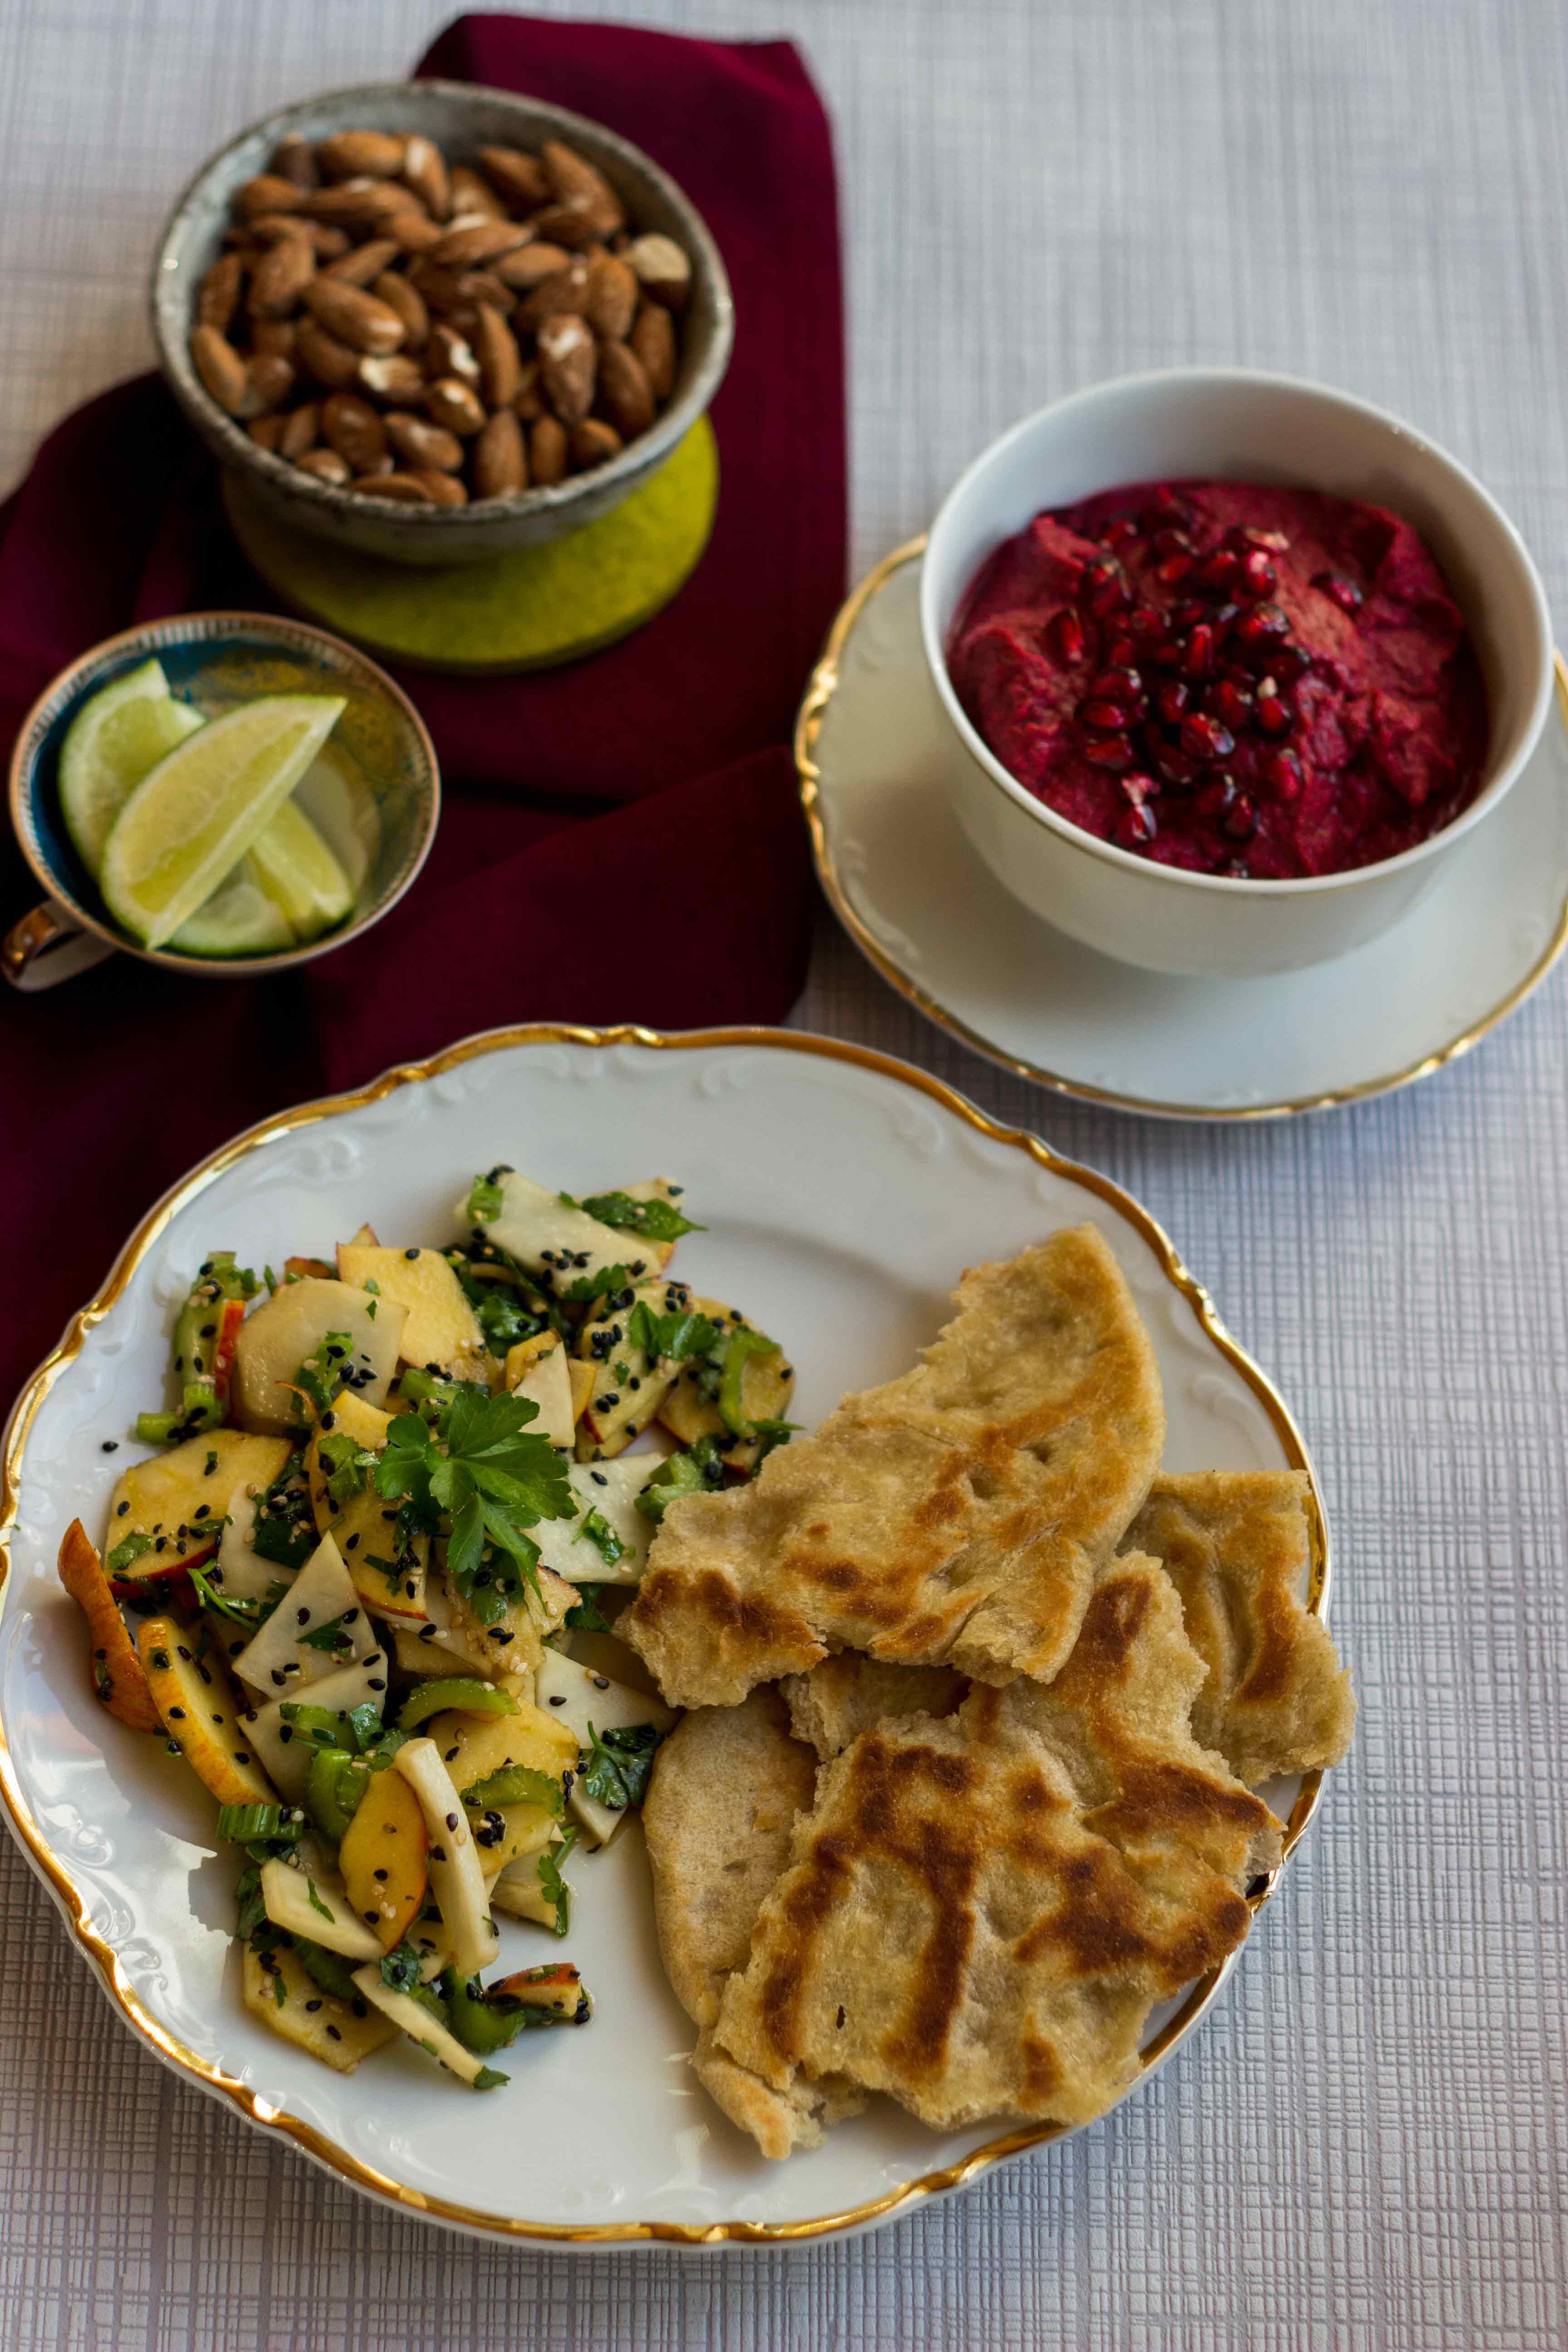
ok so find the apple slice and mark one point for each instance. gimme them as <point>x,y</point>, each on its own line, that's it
<point>364,1526</point>
<point>201,1710</point>
<point>177,1501</point>
<point>519,1892</point>
<point>298,1901</point>
<point>583,1702</point>
<point>629,1385</point>
<point>421,2025</point>
<point>287,1756</point>
<point>455,1878</point>
<point>117,1672</point>
<point>442,1332</point>
<point>313,2020</point>
<point>384,1858</point>
<point>282,1658</point>
<point>617,1552</point>
<point>289,1327</point>
<point>540,1369</point>
<point>473,1747</point>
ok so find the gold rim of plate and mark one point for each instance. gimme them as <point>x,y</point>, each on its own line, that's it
<point>329,2152</point>
<point>813,711</point>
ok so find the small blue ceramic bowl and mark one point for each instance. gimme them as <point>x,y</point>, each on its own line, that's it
<point>216,659</point>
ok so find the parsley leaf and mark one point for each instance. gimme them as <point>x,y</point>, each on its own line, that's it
<point>127,1551</point>
<point>603,1538</point>
<point>316,1902</point>
<point>551,1886</point>
<point>348,1463</point>
<point>655,1220</point>
<point>486,1199</point>
<point>481,1469</point>
<point>672,1338</point>
<point>586,1616</point>
<point>584,1287</point>
<point>320,1376</point>
<point>400,1968</point>
<point>330,1637</point>
<point>619,1765</point>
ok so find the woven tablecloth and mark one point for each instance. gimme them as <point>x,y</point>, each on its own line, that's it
<point>1366,2144</point>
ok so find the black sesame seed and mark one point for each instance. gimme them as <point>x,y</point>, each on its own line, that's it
<point>351,1543</point>
<point>120,1509</point>
<point>335,2034</point>
<point>411,1252</point>
<point>312,2006</point>
<point>557,1702</point>
<point>176,1715</point>
<point>328,1420</point>
<point>375,1682</point>
<point>111,1446</point>
<point>303,1616</point>
<point>451,1821</point>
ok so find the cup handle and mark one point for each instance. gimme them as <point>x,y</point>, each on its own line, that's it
<point>48,945</point>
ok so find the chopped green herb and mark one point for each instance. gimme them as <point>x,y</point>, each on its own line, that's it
<point>285,1527</point>
<point>348,1465</point>
<point>584,1287</point>
<point>586,1616</point>
<point>280,1990</point>
<point>603,1538</point>
<point>487,2079</point>
<point>655,1220</point>
<point>480,1465</point>
<point>316,1902</point>
<point>552,1884</point>
<point>129,1550</point>
<point>400,1968</point>
<point>672,1338</point>
<point>209,1465</point>
<point>329,1636</point>
<point>247,1895</point>
<point>320,1376</point>
<point>486,1201</point>
<point>619,1764</point>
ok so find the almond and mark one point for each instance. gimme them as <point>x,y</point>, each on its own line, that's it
<point>293,162</point>
<point>530,401</point>
<point>354,155</point>
<point>480,241</point>
<point>547,451</point>
<point>424,171</point>
<point>268,379</point>
<point>360,203</point>
<point>442,489</point>
<point>567,363</point>
<point>267,193</point>
<point>593,443</point>
<point>574,181</point>
<point>520,178</point>
<point>392,377</point>
<point>330,362</point>
<point>565,290</point>
<point>274,335</point>
<point>407,490</point>
<point>219,293</point>
<point>662,270</point>
<point>325,243</point>
<point>448,353</point>
<point>653,340</point>
<point>566,224</point>
<point>353,316</point>
<point>426,447</point>
<point>501,466</point>
<point>451,404</point>
<point>413,232</point>
<point>530,264</point>
<point>625,395</point>
<point>220,368</point>
<point>470,194</point>
<point>281,277</point>
<point>611,303</point>
<point>302,430</point>
<point>325,465</point>
<point>364,262</point>
<point>399,295</point>
<point>267,432</point>
<point>449,291</point>
<point>500,362</point>
<point>351,427</point>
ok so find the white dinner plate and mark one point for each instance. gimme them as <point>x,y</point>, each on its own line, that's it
<point>873,745</point>
<point>842,1193</point>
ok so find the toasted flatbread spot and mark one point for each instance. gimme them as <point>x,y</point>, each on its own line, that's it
<point>728,1787</point>
<point>980,1913</point>
<point>1277,1700</point>
<point>957,1515</point>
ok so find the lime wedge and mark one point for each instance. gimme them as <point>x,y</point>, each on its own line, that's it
<point>191,820</point>
<point>299,874</point>
<point>239,918</point>
<point>119,734</point>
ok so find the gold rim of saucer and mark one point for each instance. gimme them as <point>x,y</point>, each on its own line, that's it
<point>809,720</point>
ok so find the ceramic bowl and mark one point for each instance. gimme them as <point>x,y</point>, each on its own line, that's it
<point>460,117</point>
<point>216,659</point>
<point>1238,424</point>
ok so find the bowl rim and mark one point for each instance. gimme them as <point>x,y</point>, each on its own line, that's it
<point>151,634</point>
<point>647,449</point>
<point>1176,876</point>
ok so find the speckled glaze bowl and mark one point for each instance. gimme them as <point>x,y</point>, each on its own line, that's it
<point>460,117</point>
<point>221,657</point>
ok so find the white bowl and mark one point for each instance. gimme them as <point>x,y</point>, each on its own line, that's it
<point>1234,424</point>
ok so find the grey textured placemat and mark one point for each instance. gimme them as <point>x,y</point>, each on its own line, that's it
<point>1366,2144</point>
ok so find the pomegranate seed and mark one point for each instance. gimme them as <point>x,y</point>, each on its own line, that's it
<point>1217,795</point>
<point>1171,543</point>
<point>1113,753</point>
<point>1166,654</point>
<point>1119,533</point>
<point>1275,716</point>
<point>1137,827</point>
<point>1144,625</point>
<point>1105,717</point>
<point>1103,589</point>
<point>1139,788</point>
<point>1116,682</point>
<point>1228,704</point>
<point>1205,739</point>
<point>1282,770</point>
<point>1223,616</point>
<point>1343,589</point>
<point>1258,577</point>
<point>1198,658</point>
<point>1173,570</point>
<point>1188,613</point>
<point>1288,663</point>
<point>1261,626</point>
<point>1065,631</point>
<point>1171,700</point>
<point>1174,770</point>
<point>1239,821</point>
<point>1164,508</point>
<point>1120,653</point>
<point>1218,570</point>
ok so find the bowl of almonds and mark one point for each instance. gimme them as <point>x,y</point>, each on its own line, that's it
<point>435,322</point>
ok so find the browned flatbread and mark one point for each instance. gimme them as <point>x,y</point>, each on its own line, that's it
<point>846,1696</point>
<point>1235,1546</point>
<point>728,1787</point>
<point>980,1912</point>
<point>955,1516</point>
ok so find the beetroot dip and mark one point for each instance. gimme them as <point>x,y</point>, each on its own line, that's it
<point>1226,677</point>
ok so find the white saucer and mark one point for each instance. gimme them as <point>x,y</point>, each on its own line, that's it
<point>871,746</point>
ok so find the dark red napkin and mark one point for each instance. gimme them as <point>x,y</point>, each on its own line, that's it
<point>651,781</point>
